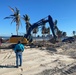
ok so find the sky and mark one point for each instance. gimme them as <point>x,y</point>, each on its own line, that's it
<point>64,11</point>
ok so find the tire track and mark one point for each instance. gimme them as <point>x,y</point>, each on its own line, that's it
<point>7,56</point>
<point>65,70</point>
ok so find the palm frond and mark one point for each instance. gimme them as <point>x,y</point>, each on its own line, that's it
<point>17,11</point>
<point>7,17</point>
<point>13,15</point>
<point>26,17</point>
<point>13,20</point>
<point>22,18</point>
<point>12,9</point>
<point>55,22</point>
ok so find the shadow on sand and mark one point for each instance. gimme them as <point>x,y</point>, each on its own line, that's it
<point>49,49</point>
<point>7,66</point>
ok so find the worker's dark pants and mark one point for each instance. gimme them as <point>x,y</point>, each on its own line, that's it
<point>18,59</point>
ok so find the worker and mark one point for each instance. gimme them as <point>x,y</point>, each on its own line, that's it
<point>19,48</point>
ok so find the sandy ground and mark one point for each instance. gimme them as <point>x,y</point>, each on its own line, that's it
<point>41,61</point>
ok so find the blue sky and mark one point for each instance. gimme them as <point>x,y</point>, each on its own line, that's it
<point>62,10</point>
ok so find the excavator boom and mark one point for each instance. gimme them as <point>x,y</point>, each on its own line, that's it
<point>40,23</point>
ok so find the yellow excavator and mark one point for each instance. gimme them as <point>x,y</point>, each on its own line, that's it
<point>28,37</point>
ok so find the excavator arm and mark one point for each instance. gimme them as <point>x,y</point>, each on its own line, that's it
<point>40,23</point>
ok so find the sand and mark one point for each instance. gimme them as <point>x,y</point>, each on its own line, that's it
<point>40,61</point>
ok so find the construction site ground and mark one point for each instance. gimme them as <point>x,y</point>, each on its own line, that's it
<point>51,59</point>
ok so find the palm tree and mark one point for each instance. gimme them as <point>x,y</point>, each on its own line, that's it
<point>15,18</point>
<point>27,19</point>
<point>55,23</point>
<point>59,34</point>
<point>64,34</point>
<point>55,26</point>
<point>48,30</point>
<point>35,30</point>
<point>74,33</point>
<point>43,31</point>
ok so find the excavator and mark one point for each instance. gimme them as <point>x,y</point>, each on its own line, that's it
<point>28,37</point>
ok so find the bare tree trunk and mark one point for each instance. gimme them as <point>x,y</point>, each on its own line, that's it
<point>17,27</point>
